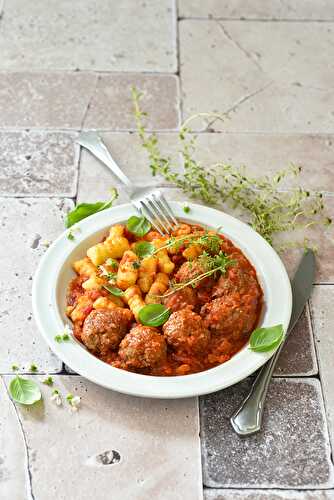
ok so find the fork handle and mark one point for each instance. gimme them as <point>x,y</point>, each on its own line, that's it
<point>93,142</point>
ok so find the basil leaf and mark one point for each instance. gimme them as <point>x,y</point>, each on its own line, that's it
<point>24,391</point>
<point>114,290</point>
<point>138,226</point>
<point>144,249</point>
<point>154,315</point>
<point>84,210</point>
<point>266,339</point>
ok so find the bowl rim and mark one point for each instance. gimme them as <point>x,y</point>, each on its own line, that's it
<point>269,267</point>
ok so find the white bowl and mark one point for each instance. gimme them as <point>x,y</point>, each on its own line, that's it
<point>54,273</point>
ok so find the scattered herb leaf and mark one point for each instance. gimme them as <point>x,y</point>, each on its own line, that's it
<point>48,381</point>
<point>15,367</point>
<point>114,290</point>
<point>84,210</point>
<point>144,249</point>
<point>24,391</point>
<point>64,337</point>
<point>136,264</point>
<point>154,315</point>
<point>33,368</point>
<point>266,339</point>
<point>186,209</point>
<point>139,226</point>
<point>70,235</point>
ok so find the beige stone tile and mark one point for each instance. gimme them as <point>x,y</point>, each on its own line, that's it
<point>95,179</point>
<point>258,9</point>
<point>14,479</point>
<point>272,77</point>
<point>249,494</point>
<point>93,100</point>
<point>115,444</point>
<point>261,154</point>
<point>116,36</point>
<point>323,324</point>
<point>266,154</point>
<point>26,224</point>
<point>46,100</point>
<point>111,105</point>
<point>38,163</point>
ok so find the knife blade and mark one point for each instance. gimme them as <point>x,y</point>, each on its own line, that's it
<point>248,417</point>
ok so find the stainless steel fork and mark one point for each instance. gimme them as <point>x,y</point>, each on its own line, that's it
<point>149,202</point>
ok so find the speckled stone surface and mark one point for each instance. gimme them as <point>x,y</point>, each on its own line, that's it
<point>38,164</point>
<point>13,458</point>
<point>114,443</point>
<point>258,9</point>
<point>47,100</point>
<point>111,105</point>
<point>27,225</point>
<point>298,355</point>
<point>292,451</point>
<point>323,323</point>
<point>272,77</point>
<point>117,36</point>
<point>213,494</point>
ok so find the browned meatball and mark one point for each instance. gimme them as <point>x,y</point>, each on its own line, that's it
<point>103,329</point>
<point>181,299</point>
<point>188,271</point>
<point>142,347</point>
<point>185,331</point>
<point>231,315</point>
<point>236,280</point>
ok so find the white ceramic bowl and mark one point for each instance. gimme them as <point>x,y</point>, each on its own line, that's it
<point>54,273</point>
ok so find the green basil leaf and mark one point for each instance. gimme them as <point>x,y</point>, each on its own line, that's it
<point>114,290</point>
<point>24,391</point>
<point>266,339</point>
<point>154,315</point>
<point>84,210</point>
<point>138,226</point>
<point>144,249</point>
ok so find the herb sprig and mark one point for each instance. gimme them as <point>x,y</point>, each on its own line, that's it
<point>269,210</point>
<point>211,265</point>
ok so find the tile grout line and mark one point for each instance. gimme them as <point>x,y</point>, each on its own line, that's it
<point>322,390</point>
<point>28,469</point>
<point>255,20</point>
<point>178,54</point>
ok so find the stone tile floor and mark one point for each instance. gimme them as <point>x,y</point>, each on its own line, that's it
<point>66,66</point>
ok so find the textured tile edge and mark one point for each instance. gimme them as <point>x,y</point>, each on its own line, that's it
<point>208,483</point>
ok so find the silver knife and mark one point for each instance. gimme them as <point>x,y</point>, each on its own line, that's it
<point>248,417</point>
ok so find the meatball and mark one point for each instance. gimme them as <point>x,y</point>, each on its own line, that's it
<point>142,347</point>
<point>231,315</point>
<point>103,329</point>
<point>181,299</point>
<point>235,280</point>
<point>185,331</point>
<point>189,271</point>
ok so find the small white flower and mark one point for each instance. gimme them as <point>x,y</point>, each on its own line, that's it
<point>56,397</point>
<point>74,402</point>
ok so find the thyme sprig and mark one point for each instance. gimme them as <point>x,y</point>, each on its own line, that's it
<point>211,265</point>
<point>210,242</point>
<point>269,210</point>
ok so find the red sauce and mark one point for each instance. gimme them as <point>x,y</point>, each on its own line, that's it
<point>222,313</point>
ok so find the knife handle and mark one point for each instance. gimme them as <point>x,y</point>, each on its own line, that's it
<point>248,417</point>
